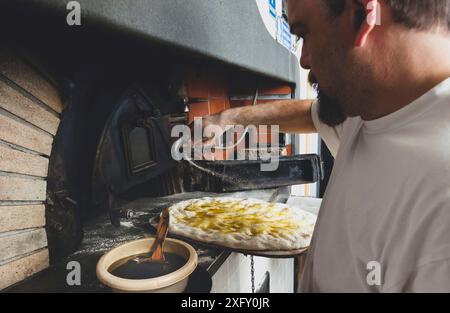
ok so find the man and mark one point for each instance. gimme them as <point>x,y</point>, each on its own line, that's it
<point>382,71</point>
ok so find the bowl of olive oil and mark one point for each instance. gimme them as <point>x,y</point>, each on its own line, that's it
<point>121,270</point>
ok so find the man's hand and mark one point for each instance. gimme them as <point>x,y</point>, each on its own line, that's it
<point>217,120</point>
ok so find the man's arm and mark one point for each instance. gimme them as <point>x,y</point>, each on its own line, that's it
<point>293,116</point>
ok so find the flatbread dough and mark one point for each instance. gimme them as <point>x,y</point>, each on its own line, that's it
<point>245,224</point>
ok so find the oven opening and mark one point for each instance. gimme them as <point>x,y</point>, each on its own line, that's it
<point>86,142</point>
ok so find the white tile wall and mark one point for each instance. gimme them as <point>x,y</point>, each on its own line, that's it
<point>234,275</point>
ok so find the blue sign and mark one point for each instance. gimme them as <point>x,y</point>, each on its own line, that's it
<point>273,8</point>
<point>284,33</point>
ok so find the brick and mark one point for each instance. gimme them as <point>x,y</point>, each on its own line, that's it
<point>289,149</point>
<point>16,244</point>
<point>217,88</point>
<point>14,188</point>
<point>199,109</point>
<point>18,270</point>
<point>19,105</point>
<point>240,103</point>
<point>30,80</point>
<point>217,106</point>
<point>20,134</point>
<point>196,85</point>
<point>277,90</point>
<point>21,217</point>
<point>15,161</point>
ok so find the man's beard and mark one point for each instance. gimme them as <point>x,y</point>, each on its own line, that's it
<point>330,111</point>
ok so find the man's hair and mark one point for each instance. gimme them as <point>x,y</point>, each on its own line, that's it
<point>414,14</point>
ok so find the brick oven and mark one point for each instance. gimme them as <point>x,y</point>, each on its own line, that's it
<point>85,120</point>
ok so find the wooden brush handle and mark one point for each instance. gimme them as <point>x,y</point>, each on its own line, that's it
<point>161,234</point>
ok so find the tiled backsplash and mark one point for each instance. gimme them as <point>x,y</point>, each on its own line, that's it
<point>235,275</point>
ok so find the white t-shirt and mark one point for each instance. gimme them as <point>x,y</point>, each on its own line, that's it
<point>387,207</point>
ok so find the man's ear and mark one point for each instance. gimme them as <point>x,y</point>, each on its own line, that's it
<point>367,16</point>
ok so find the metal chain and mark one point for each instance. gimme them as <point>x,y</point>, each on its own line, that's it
<point>252,270</point>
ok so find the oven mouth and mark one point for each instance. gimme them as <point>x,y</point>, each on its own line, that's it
<point>131,159</point>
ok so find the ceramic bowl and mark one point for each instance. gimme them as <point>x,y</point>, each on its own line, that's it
<point>174,282</point>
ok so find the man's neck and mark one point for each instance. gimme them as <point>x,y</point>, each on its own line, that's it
<point>419,64</point>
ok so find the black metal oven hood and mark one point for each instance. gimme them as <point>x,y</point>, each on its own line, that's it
<point>231,31</point>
